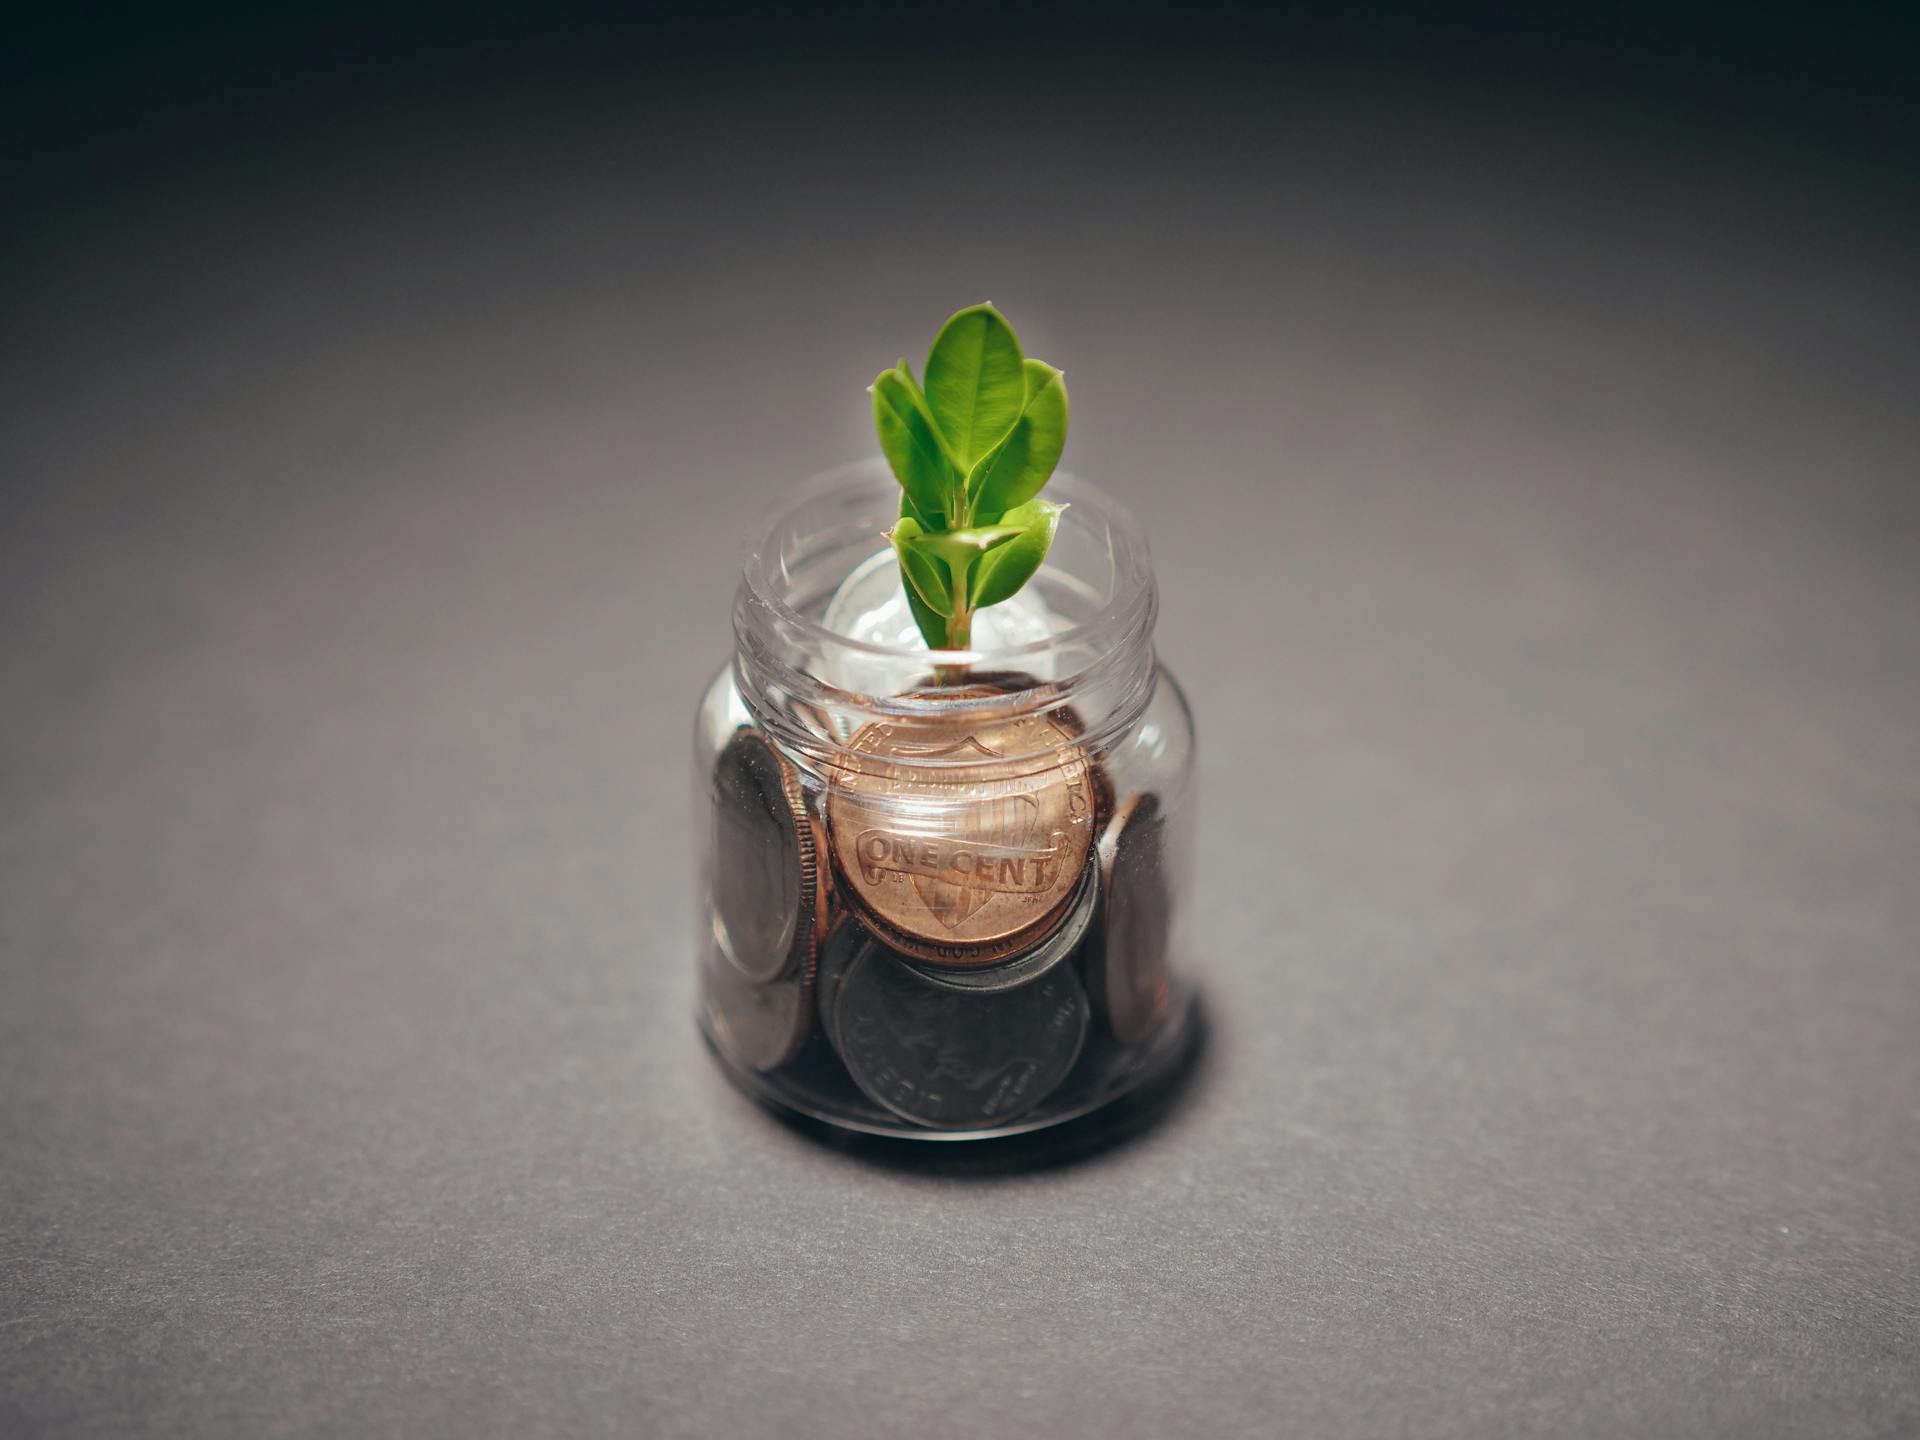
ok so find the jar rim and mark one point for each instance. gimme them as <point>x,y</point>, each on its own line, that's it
<point>1130,591</point>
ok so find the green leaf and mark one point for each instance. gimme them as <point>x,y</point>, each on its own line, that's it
<point>957,550</point>
<point>909,440</point>
<point>999,575</point>
<point>1016,469</point>
<point>911,511</point>
<point>926,577</point>
<point>975,387</point>
<point>963,547</point>
<point>933,625</point>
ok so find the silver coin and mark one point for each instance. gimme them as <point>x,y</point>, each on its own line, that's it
<point>949,1059</point>
<point>766,874</point>
<point>843,942</point>
<point>1127,969</point>
<point>1025,968</point>
<point>756,1025</point>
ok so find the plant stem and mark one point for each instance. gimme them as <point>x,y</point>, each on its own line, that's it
<point>959,637</point>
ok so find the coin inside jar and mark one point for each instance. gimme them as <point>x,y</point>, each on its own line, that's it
<point>758,1025</point>
<point>843,942</point>
<point>1127,955</point>
<point>947,1059</point>
<point>963,837</point>
<point>767,875</point>
<point>1024,969</point>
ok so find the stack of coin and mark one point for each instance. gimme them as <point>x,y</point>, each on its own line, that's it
<point>954,1048</point>
<point>956,927</point>
<point>964,846</point>
<point>770,905</point>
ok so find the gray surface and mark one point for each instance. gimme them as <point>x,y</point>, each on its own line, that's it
<point>1537,536</point>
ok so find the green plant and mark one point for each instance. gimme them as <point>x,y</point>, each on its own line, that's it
<point>971,452</point>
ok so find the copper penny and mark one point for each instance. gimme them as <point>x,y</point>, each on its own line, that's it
<point>1013,681</point>
<point>1057,947</point>
<point>962,837</point>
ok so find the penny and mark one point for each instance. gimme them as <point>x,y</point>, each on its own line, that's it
<point>767,875</point>
<point>1127,952</point>
<point>968,954</point>
<point>1030,965</point>
<point>963,837</point>
<point>1066,717</point>
<point>943,1058</point>
<point>758,1026</point>
<point>1033,697</point>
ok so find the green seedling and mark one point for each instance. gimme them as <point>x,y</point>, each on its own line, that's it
<point>971,450</point>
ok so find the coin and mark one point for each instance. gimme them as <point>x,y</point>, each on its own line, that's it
<point>1127,952</point>
<point>760,1025</point>
<point>943,1058</point>
<point>1030,965</point>
<point>767,877</point>
<point>843,942</point>
<point>962,837</point>
<point>967,955</point>
<point>1066,717</point>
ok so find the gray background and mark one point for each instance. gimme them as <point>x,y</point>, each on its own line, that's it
<point>1533,501</point>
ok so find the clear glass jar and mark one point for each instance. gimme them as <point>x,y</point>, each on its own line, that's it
<point>941,892</point>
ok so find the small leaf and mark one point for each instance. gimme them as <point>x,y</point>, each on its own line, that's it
<point>1016,469</point>
<point>926,577</point>
<point>963,546</point>
<point>909,440</point>
<point>933,625</point>
<point>911,511</point>
<point>1000,575</point>
<point>975,387</point>
<point>957,550</point>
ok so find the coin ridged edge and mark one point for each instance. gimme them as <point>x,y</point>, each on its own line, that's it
<point>811,900</point>
<point>814,884</point>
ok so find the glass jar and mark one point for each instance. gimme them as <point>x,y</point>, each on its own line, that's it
<point>941,892</point>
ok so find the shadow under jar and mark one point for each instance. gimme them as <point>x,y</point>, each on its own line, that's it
<point>941,892</point>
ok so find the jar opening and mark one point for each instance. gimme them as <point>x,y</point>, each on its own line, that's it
<point>1083,625</point>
